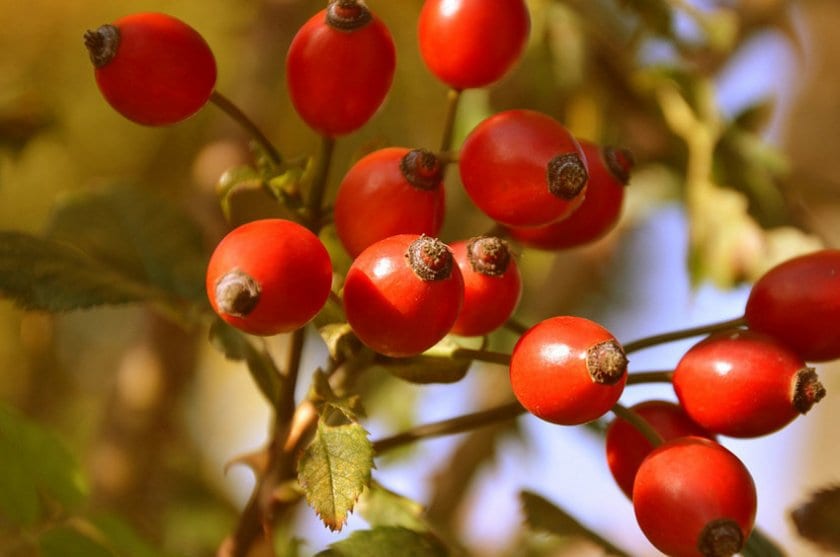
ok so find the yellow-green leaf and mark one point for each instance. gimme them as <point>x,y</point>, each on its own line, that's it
<point>387,542</point>
<point>543,515</point>
<point>47,275</point>
<point>335,469</point>
<point>380,506</point>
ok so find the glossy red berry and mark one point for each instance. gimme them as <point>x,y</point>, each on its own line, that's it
<point>492,285</point>
<point>523,168</point>
<point>798,302</point>
<point>472,43</point>
<point>744,384</point>
<point>390,191</point>
<point>568,370</point>
<point>402,294</point>
<point>339,67</point>
<point>694,498</point>
<point>152,68</point>
<point>626,447</point>
<point>609,172</point>
<point>269,276</point>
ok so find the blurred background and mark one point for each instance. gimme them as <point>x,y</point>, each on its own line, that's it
<point>152,413</point>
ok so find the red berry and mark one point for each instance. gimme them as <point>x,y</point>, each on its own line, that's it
<point>339,67</point>
<point>390,191</point>
<point>798,302</point>
<point>744,384</point>
<point>609,171</point>
<point>402,294</point>
<point>269,276</point>
<point>152,68</point>
<point>492,285</point>
<point>694,498</point>
<point>626,447</point>
<point>472,43</point>
<point>568,370</point>
<point>523,168</point>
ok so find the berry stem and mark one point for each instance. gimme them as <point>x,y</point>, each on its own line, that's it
<point>228,107</point>
<point>639,423</point>
<point>318,186</point>
<point>662,338</point>
<point>286,404</point>
<point>641,377</point>
<point>516,327</point>
<point>453,98</point>
<point>458,424</point>
<point>482,356</point>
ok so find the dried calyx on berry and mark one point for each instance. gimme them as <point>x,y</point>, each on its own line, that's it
<point>619,161</point>
<point>422,169</point>
<point>429,258</point>
<point>102,44</point>
<point>606,362</point>
<point>348,15</point>
<point>237,293</point>
<point>566,175</point>
<point>720,538</point>
<point>807,389</point>
<point>488,255</point>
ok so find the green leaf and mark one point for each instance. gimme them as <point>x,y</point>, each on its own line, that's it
<point>426,369</point>
<point>541,514</point>
<point>143,237</point>
<point>387,542</point>
<point>436,365</point>
<point>817,518</point>
<point>340,339</point>
<point>759,545</point>
<point>235,346</point>
<point>380,506</point>
<point>727,245</point>
<point>334,470</point>
<point>46,275</point>
<point>34,465</point>
<point>66,541</point>
<point>328,401</point>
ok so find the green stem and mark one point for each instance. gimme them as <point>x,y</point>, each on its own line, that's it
<point>654,340</point>
<point>641,377</point>
<point>639,423</point>
<point>318,186</point>
<point>453,98</point>
<point>482,356</point>
<point>459,424</point>
<point>229,108</point>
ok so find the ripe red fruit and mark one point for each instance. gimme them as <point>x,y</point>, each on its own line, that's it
<point>626,447</point>
<point>798,302</point>
<point>694,498</point>
<point>523,168</point>
<point>339,67</point>
<point>492,285</point>
<point>489,38</point>
<point>402,294</point>
<point>390,191</point>
<point>269,276</point>
<point>609,172</point>
<point>152,68</point>
<point>568,370</point>
<point>744,384</point>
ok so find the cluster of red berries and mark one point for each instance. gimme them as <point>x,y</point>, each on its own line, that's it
<point>546,189</point>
